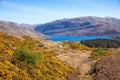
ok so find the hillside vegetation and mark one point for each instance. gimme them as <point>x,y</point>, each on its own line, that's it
<point>24,60</point>
<point>102,43</point>
<point>108,68</point>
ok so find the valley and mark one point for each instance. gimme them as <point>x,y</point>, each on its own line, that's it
<point>59,39</point>
<point>61,50</point>
<point>57,60</point>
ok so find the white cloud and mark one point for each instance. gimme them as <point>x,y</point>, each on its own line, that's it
<point>32,9</point>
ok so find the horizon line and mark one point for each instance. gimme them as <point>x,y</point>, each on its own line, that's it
<point>59,19</point>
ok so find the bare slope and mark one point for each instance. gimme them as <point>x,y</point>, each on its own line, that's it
<point>19,30</point>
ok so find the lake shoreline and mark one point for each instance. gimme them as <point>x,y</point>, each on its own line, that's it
<point>77,38</point>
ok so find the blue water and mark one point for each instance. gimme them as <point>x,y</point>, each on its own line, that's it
<point>76,38</point>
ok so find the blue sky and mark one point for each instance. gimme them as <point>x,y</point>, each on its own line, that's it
<point>42,11</point>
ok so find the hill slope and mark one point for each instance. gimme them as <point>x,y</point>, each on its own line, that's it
<point>13,64</point>
<point>108,68</point>
<point>82,26</point>
<point>19,30</point>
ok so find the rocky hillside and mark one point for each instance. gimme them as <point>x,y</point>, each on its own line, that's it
<point>82,26</point>
<point>19,30</point>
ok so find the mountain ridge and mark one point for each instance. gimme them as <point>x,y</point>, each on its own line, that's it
<point>81,26</point>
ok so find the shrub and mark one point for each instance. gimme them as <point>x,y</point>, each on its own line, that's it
<point>100,52</point>
<point>93,67</point>
<point>34,57</point>
<point>29,57</point>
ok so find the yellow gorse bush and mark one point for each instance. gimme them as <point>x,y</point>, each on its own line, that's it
<point>11,68</point>
<point>76,46</point>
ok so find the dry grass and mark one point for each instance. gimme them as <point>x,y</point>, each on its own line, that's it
<point>79,60</point>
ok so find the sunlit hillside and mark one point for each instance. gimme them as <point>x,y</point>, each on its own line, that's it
<point>29,59</point>
<point>25,60</point>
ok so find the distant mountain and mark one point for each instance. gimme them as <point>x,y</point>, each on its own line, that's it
<point>19,30</point>
<point>27,26</point>
<point>82,26</point>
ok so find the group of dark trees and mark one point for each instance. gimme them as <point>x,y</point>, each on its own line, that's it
<point>117,38</point>
<point>102,43</point>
